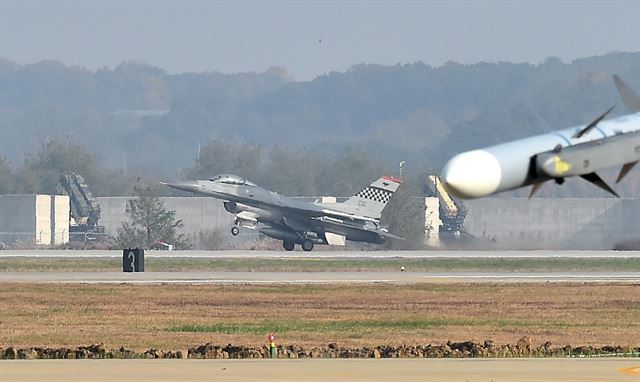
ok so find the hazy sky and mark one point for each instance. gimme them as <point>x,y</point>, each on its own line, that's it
<point>312,38</point>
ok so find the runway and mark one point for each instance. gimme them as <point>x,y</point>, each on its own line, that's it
<point>318,276</point>
<point>326,254</point>
<point>401,278</point>
<point>436,370</point>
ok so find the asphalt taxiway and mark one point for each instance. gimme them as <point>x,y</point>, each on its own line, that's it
<point>211,277</point>
<point>436,370</point>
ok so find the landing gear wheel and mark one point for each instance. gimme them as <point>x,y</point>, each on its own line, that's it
<point>288,245</point>
<point>235,230</point>
<point>307,245</point>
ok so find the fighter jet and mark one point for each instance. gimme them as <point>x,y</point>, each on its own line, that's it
<point>297,222</point>
<point>577,151</point>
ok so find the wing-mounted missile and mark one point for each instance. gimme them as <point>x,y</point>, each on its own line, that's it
<point>586,158</point>
<point>554,166</point>
<point>556,156</point>
<point>590,156</point>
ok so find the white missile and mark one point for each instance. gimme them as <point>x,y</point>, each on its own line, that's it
<point>577,151</point>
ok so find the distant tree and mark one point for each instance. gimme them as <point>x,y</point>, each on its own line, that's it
<point>41,172</point>
<point>291,172</point>
<point>6,177</point>
<point>404,216</point>
<point>347,172</point>
<point>227,157</point>
<point>149,221</point>
<point>413,112</point>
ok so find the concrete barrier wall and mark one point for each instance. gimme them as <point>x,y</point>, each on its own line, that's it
<point>42,218</point>
<point>554,223</point>
<point>508,223</point>
<point>17,214</point>
<point>197,213</point>
<point>60,228</point>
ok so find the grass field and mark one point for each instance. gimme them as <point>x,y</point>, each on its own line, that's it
<point>326,265</point>
<point>180,316</point>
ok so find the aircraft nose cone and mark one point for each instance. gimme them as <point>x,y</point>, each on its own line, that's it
<point>188,186</point>
<point>472,174</point>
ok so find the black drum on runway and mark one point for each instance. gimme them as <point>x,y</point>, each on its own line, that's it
<point>133,260</point>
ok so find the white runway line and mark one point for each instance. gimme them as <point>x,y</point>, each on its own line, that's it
<point>311,277</point>
<point>223,282</point>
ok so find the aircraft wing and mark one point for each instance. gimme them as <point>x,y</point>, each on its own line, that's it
<point>316,211</point>
<point>351,217</point>
<point>387,235</point>
<point>321,216</point>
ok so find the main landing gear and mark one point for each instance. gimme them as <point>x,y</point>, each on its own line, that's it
<point>288,245</point>
<point>235,230</point>
<point>307,245</point>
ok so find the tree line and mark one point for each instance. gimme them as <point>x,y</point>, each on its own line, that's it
<point>289,172</point>
<point>138,117</point>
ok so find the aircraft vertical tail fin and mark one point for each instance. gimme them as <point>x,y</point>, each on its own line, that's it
<point>374,198</point>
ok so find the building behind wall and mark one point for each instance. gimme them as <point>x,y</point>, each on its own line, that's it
<point>43,219</point>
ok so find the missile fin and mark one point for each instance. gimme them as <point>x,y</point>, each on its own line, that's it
<point>535,188</point>
<point>593,124</point>
<point>596,180</point>
<point>625,170</point>
<point>630,99</point>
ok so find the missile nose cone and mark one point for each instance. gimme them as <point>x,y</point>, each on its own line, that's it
<point>189,186</point>
<point>472,174</point>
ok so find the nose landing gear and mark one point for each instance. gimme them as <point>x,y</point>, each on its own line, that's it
<point>235,230</point>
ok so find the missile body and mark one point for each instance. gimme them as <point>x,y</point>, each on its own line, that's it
<point>523,162</point>
<point>589,157</point>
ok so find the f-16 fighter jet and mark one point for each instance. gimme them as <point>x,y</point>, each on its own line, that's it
<point>297,222</point>
<point>577,151</point>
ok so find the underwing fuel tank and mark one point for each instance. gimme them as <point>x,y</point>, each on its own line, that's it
<point>280,234</point>
<point>285,234</point>
<point>588,157</point>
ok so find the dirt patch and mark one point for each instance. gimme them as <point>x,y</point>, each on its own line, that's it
<point>466,349</point>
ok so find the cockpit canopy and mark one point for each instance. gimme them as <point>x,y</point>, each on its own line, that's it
<point>231,179</point>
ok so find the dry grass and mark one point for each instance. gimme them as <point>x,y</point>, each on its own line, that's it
<point>240,264</point>
<point>178,316</point>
